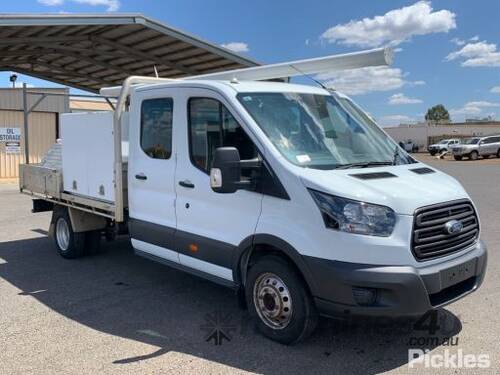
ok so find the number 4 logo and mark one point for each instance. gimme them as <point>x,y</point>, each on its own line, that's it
<point>428,322</point>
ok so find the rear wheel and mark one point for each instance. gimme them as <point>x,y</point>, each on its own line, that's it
<point>279,301</point>
<point>473,155</point>
<point>69,244</point>
<point>457,157</point>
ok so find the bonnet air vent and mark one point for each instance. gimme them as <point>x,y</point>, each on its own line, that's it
<point>423,170</point>
<point>373,176</point>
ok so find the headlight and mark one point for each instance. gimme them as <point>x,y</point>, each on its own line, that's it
<point>353,216</point>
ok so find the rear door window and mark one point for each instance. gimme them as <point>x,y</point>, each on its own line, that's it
<point>156,127</point>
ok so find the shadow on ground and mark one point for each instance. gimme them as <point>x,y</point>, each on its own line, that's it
<point>124,295</point>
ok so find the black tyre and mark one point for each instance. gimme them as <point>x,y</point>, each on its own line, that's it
<point>473,155</point>
<point>279,302</point>
<point>69,244</point>
<point>93,242</point>
<point>432,153</point>
<point>457,157</point>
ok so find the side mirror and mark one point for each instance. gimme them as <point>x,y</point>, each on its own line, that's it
<point>225,174</point>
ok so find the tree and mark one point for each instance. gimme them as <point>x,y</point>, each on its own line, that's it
<point>437,113</point>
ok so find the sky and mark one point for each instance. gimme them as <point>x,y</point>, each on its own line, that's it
<point>446,52</point>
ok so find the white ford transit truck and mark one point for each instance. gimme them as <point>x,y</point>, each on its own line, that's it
<point>289,194</point>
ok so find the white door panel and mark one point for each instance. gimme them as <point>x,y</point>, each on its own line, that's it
<point>221,221</point>
<point>151,172</point>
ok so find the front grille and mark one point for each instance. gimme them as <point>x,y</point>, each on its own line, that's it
<point>430,237</point>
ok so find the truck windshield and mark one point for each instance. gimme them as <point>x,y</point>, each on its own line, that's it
<point>321,131</point>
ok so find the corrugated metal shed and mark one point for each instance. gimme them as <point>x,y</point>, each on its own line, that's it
<point>42,131</point>
<point>94,51</point>
<point>12,99</point>
<point>88,105</point>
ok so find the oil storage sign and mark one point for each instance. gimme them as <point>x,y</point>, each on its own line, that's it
<point>10,135</point>
<point>12,139</point>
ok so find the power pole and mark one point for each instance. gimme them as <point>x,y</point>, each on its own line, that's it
<point>25,116</point>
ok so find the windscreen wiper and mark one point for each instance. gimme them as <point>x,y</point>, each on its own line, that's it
<point>363,164</point>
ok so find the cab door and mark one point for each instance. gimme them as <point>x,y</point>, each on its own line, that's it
<point>151,172</point>
<point>486,147</point>
<point>211,225</point>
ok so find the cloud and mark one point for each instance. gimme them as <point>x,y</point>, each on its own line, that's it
<point>495,90</point>
<point>393,27</point>
<point>477,54</point>
<point>112,5</point>
<point>236,46</point>
<point>458,42</point>
<point>51,3</point>
<point>461,42</point>
<point>395,120</point>
<point>401,98</point>
<point>416,83</point>
<point>365,80</point>
<point>473,108</point>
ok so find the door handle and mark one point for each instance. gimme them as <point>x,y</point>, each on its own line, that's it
<point>141,176</point>
<point>187,184</point>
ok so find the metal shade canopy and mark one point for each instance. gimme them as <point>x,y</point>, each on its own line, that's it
<point>92,51</point>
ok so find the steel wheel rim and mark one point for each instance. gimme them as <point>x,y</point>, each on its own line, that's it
<point>62,234</point>
<point>272,301</point>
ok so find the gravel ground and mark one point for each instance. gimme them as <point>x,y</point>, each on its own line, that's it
<point>116,312</point>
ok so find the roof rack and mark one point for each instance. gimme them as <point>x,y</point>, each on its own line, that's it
<point>355,60</point>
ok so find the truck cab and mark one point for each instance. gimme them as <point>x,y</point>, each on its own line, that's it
<point>269,186</point>
<point>295,198</point>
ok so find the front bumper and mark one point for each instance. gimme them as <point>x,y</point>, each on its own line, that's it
<point>399,290</point>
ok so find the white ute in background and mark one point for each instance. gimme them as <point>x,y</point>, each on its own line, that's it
<point>289,194</point>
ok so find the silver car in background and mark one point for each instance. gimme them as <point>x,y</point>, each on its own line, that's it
<point>472,148</point>
<point>442,146</point>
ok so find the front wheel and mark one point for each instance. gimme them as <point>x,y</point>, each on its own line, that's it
<point>279,301</point>
<point>473,155</point>
<point>69,244</point>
